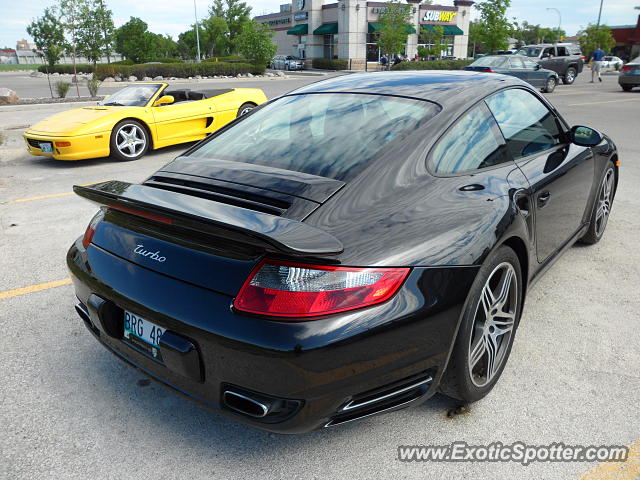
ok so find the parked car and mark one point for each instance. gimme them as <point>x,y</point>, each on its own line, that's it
<point>138,118</point>
<point>565,59</point>
<point>287,62</point>
<point>517,66</point>
<point>610,61</point>
<point>349,248</point>
<point>629,76</point>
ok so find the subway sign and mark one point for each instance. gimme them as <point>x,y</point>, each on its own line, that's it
<point>439,16</point>
<point>278,21</point>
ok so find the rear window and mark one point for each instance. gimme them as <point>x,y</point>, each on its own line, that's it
<point>529,51</point>
<point>330,135</point>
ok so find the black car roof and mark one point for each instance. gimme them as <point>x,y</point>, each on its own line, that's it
<point>448,88</point>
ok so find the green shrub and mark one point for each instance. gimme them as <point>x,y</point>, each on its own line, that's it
<point>229,58</point>
<point>62,88</point>
<point>123,62</point>
<point>66,68</point>
<point>181,70</point>
<point>330,63</point>
<point>433,65</point>
<point>93,85</point>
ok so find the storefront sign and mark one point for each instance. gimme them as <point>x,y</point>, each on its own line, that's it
<point>439,16</point>
<point>278,21</point>
<point>301,16</point>
<point>385,9</point>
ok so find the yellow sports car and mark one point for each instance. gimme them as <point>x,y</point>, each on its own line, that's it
<point>138,118</point>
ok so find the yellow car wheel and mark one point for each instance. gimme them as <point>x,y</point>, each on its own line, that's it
<point>129,140</point>
<point>245,108</point>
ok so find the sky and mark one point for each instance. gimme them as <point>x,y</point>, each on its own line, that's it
<point>175,16</point>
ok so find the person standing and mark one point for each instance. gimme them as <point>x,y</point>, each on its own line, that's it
<point>596,66</point>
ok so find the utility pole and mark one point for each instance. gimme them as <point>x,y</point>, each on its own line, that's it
<point>195,12</point>
<point>599,14</point>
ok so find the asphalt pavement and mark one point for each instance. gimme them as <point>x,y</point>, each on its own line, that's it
<point>69,409</point>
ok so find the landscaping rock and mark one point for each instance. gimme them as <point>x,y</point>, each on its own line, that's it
<point>133,78</point>
<point>36,73</point>
<point>8,96</point>
<point>146,79</point>
<point>55,74</point>
<point>249,75</point>
<point>280,73</point>
<point>118,79</point>
<point>198,77</point>
<point>269,74</point>
<point>109,79</point>
<point>159,77</point>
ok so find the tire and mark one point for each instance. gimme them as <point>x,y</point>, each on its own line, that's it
<point>626,88</point>
<point>550,85</point>
<point>601,208</point>
<point>470,358</point>
<point>123,149</point>
<point>569,76</point>
<point>245,108</point>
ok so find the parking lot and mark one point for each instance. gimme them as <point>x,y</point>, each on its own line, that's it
<point>69,409</point>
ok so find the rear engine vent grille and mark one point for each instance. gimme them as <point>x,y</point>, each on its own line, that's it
<point>218,193</point>
<point>382,399</point>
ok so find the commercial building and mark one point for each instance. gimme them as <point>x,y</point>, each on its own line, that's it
<point>627,41</point>
<point>347,29</point>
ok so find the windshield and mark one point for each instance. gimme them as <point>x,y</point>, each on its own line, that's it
<point>530,51</point>
<point>489,62</point>
<point>132,96</point>
<point>330,135</point>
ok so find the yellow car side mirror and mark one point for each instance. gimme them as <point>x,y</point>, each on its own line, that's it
<point>164,100</point>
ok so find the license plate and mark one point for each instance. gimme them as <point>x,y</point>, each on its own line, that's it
<point>142,333</point>
<point>46,147</point>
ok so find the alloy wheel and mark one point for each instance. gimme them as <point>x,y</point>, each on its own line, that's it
<point>246,110</point>
<point>130,140</point>
<point>604,202</point>
<point>493,324</point>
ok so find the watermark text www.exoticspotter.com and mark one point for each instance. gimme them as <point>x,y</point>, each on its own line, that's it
<point>516,452</point>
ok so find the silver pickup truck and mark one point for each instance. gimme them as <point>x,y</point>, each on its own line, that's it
<point>565,59</point>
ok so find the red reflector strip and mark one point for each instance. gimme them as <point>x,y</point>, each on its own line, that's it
<point>140,213</point>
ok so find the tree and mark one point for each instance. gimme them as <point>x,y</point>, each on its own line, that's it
<point>434,38</point>
<point>95,30</point>
<point>217,42</point>
<point>394,27</point>
<point>187,46</point>
<point>48,35</point>
<point>255,42</point>
<point>595,36</point>
<point>494,26</point>
<point>72,17</point>
<point>475,32</point>
<point>235,12</point>
<point>133,40</point>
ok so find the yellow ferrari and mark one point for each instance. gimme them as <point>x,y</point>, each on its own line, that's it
<point>138,118</point>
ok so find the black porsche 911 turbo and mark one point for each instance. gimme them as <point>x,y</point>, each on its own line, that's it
<point>347,249</point>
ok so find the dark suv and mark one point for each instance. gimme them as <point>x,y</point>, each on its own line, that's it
<point>563,58</point>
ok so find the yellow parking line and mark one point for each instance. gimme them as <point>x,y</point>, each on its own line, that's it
<point>50,195</point>
<point>606,101</point>
<point>629,470</point>
<point>34,288</point>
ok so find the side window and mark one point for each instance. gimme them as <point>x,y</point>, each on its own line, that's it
<point>530,64</point>
<point>516,62</point>
<point>526,123</point>
<point>550,51</point>
<point>562,52</point>
<point>472,143</point>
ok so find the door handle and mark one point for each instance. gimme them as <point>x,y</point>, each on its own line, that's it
<point>543,199</point>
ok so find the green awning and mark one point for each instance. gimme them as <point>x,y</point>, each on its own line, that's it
<point>300,29</point>
<point>446,29</point>
<point>326,29</point>
<point>375,27</point>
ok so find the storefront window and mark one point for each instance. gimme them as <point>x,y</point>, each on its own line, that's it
<point>447,45</point>
<point>330,46</point>
<point>373,51</point>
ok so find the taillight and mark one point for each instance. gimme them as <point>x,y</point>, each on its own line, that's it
<point>91,228</point>
<point>626,68</point>
<point>287,289</point>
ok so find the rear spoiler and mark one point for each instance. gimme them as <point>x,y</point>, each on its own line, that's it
<point>258,228</point>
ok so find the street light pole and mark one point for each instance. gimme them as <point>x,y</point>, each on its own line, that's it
<point>195,13</point>
<point>559,19</point>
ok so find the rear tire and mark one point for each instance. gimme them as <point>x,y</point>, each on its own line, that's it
<point>626,88</point>
<point>550,86</point>
<point>569,76</point>
<point>487,328</point>
<point>245,108</point>
<point>129,141</point>
<point>601,208</point>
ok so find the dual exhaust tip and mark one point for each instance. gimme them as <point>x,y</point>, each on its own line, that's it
<point>259,406</point>
<point>245,404</point>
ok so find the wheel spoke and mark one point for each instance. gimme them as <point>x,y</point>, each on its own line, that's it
<point>505,324</point>
<point>599,212</point>
<point>477,351</point>
<point>487,300</point>
<point>492,354</point>
<point>504,287</point>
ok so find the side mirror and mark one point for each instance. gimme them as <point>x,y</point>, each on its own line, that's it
<point>164,100</point>
<point>585,136</point>
<point>537,67</point>
<point>545,55</point>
